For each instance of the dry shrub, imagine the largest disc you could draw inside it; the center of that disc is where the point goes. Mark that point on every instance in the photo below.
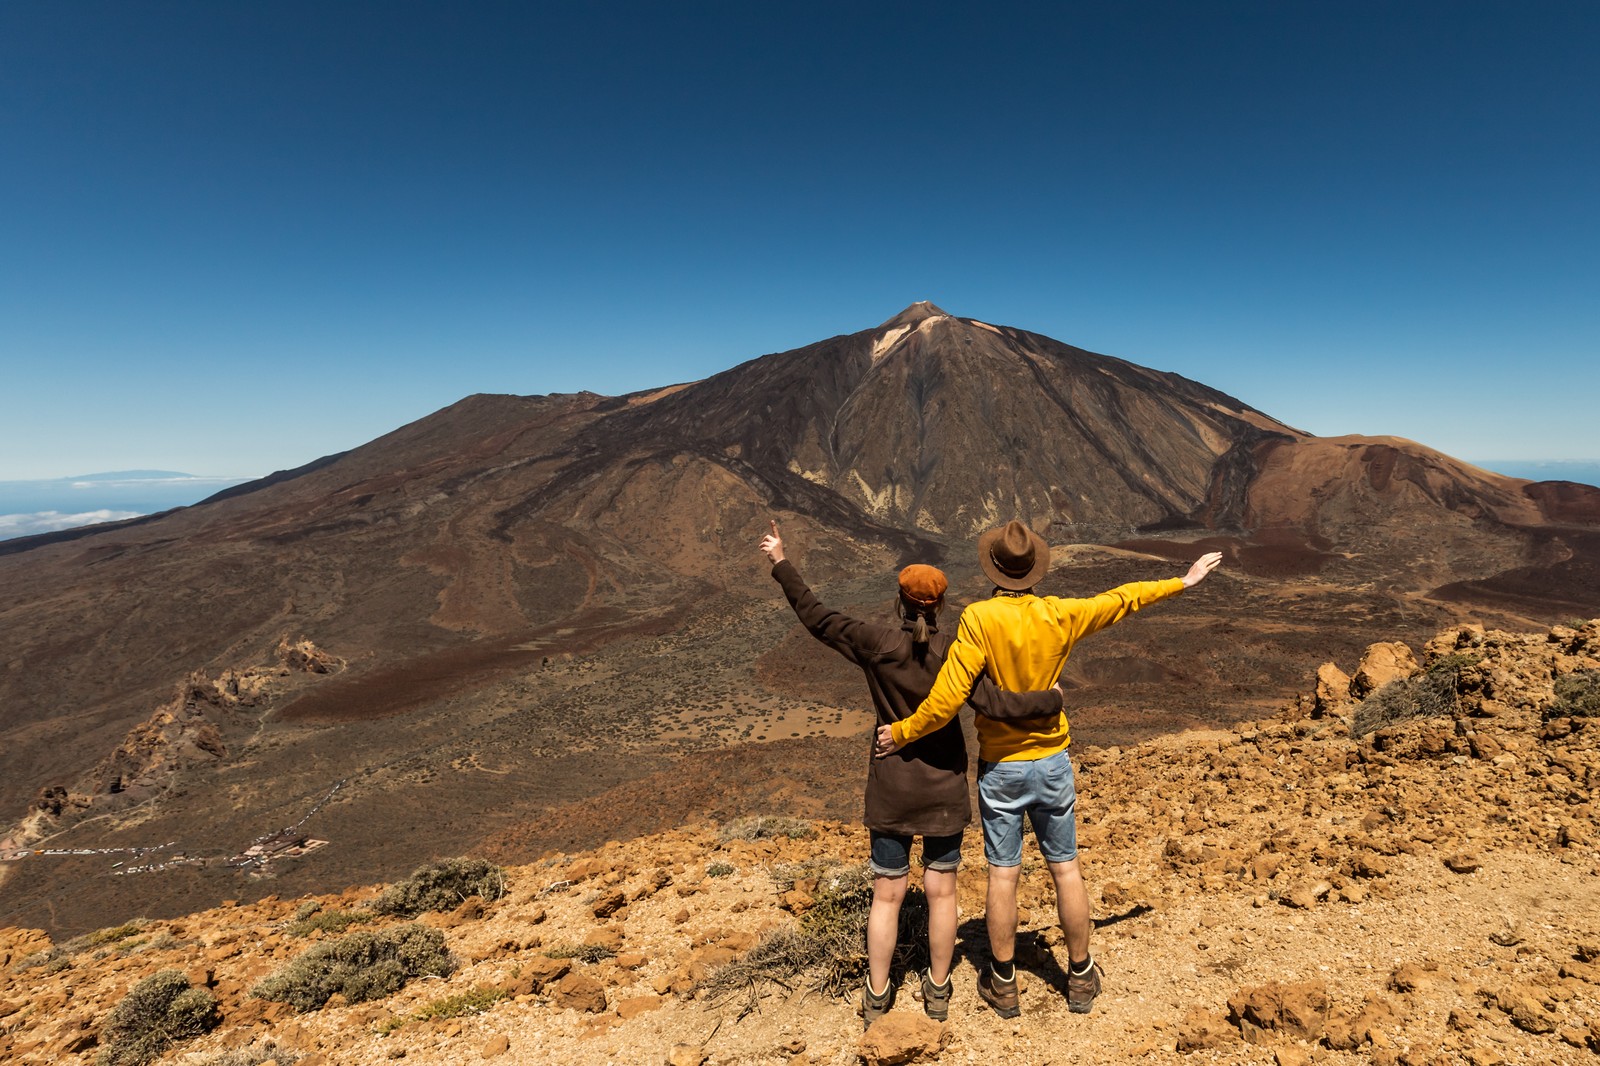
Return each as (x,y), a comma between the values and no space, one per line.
(827,948)
(113,935)
(786,874)
(590,953)
(1577,696)
(1434,694)
(442,886)
(362,966)
(158,1012)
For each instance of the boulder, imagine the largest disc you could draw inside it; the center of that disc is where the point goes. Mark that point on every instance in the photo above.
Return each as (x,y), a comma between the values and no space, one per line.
(1333,691)
(579,992)
(1383,662)
(609,904)
(901,1037)
(1298,1010)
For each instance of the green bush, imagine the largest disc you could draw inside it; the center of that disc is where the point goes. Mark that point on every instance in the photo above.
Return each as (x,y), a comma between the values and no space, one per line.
(362,966)
(719,869)
(159,1011)
(1577,696)
(442,886)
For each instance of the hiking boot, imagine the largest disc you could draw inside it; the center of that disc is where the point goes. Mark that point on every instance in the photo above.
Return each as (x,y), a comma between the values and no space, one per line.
(875,1006)
(1082,988)
(1001,995)
(936,998)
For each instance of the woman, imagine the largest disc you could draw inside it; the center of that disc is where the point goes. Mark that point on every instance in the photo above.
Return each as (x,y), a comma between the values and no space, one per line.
(921,790)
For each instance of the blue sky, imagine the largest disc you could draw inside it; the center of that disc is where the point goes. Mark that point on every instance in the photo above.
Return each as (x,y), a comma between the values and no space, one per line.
(237,237)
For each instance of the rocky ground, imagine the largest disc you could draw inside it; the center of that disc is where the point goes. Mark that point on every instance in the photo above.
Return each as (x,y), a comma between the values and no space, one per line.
(1347,881)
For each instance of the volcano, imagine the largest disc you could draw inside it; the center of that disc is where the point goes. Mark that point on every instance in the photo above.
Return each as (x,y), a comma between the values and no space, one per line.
(491,616)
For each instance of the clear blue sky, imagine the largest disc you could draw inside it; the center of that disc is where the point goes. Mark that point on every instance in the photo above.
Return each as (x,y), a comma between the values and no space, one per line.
(238,236)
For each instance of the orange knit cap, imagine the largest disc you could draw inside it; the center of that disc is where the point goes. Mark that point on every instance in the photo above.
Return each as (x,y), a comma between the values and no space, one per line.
(923,584)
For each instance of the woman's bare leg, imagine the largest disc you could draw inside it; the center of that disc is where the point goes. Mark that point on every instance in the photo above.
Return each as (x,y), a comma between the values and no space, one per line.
(883,927)
(940,885)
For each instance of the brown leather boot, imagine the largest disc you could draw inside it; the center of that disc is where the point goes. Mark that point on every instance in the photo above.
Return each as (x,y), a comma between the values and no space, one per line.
(1082,988)
(1001,995)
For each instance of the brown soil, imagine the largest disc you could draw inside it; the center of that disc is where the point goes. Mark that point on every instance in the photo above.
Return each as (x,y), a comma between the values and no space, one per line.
(1276,892)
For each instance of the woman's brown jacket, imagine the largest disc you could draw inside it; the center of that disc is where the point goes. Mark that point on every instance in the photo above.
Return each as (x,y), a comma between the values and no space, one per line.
(922,788)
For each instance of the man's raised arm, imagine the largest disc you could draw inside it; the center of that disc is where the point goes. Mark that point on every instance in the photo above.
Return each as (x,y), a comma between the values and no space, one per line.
(1088,616)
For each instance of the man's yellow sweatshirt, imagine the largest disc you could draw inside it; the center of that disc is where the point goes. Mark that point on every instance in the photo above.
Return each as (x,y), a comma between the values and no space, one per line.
(1023,642)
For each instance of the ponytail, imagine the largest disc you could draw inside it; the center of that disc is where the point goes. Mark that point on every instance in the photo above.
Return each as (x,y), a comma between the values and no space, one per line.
(922,617)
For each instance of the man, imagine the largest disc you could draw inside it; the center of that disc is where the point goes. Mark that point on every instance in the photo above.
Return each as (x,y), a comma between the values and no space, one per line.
(1022,641)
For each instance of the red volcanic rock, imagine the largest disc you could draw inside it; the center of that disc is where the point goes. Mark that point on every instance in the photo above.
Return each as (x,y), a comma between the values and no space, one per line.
(609,904)
(637,1005)
(1333,690)
(1383,663)
(579,992)
(1201,1030)
(1299,1010)
(900,1037)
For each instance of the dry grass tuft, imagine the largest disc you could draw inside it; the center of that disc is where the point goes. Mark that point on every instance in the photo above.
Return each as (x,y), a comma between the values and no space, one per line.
(765,827)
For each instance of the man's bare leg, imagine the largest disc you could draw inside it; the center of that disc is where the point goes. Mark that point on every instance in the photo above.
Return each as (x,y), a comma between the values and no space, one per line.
(883,927)
(1072,907)
(1000,912)
(940,885)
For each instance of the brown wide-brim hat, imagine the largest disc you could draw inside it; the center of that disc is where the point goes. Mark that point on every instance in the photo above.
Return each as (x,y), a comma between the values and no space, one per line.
(1014,556)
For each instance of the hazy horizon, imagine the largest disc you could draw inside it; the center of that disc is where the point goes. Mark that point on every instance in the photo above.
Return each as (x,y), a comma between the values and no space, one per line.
(48,505)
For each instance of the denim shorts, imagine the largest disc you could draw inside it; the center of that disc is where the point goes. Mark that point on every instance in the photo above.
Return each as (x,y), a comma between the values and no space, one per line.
(1043,790)
(891,853)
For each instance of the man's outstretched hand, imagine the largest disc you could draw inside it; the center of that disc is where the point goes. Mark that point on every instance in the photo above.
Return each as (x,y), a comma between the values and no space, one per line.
(885,744)
(1197,573)
(772,544)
